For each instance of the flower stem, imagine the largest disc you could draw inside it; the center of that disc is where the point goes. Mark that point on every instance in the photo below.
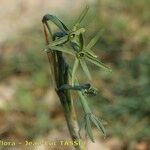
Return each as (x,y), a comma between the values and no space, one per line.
(61,71)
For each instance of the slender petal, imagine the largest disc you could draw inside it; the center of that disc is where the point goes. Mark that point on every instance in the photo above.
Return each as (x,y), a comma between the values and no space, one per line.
(90,52)
(85,69)
(94,40)
(98,124)
(88,127)
(97,63)
(60,41)
(81,17)
(59,48)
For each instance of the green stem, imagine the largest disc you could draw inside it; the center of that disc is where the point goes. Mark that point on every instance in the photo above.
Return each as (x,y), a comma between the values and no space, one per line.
(61,72)
(66,101)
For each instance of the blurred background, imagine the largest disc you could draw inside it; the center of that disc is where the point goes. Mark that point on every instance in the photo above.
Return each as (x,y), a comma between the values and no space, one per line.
(30,109)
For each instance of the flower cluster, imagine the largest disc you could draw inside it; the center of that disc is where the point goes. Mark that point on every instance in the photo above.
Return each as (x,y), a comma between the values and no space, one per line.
(82,53)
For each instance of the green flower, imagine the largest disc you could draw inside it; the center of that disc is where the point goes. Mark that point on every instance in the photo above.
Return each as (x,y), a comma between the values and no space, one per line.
(81,52)
(86,54)
(74,36)
(83,55)
(91,119)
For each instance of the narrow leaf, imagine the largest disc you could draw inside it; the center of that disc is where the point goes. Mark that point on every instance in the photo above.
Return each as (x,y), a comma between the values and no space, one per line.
(56,21)
(84,103)
(94,40)
(75,66)
(97,62)
(90,52)
(98,124)
(88,127)
(59,48)
(81,17)
(85,69)
(59,41)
